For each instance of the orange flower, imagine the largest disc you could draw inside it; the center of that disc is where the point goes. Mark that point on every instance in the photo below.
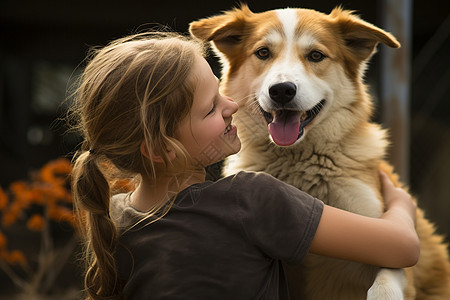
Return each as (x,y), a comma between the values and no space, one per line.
(38,195)
(61,166)
(22,193)
(57,192)
(11,216)
(3,199)
(55,172)
(8,219)
(36,223)
(3,241)
(16,257)
(48,187)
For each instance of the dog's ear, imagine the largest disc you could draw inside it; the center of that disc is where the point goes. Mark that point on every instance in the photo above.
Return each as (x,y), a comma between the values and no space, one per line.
(225,30)
(360,37)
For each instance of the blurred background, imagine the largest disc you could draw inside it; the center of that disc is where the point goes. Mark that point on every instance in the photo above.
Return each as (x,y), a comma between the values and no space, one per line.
(43,44)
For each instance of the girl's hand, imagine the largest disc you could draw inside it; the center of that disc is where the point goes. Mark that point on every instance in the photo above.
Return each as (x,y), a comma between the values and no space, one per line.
(397,197)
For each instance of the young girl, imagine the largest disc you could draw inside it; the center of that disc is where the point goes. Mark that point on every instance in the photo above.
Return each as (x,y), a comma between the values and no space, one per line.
(149,105)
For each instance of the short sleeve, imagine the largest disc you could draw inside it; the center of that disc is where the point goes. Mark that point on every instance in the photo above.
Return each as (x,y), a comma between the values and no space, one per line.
(278,218)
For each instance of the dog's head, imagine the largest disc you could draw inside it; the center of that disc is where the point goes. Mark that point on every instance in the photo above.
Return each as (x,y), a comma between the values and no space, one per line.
(295,67)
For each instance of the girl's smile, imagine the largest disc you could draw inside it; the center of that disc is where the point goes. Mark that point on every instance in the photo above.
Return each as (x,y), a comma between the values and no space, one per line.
(207,133)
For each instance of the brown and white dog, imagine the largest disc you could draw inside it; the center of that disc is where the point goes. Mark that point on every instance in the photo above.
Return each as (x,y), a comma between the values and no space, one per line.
(304,117)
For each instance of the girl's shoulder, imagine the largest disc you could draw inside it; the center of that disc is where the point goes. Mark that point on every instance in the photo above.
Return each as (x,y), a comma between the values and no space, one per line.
(243,185)
(121,211)
(249,179)
(118,204)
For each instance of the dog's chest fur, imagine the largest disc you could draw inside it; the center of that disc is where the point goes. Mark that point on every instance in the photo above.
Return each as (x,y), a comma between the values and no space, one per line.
(326,170)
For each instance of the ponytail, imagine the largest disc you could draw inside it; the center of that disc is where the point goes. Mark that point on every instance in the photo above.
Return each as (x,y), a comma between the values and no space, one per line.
(135,90)
(92,199)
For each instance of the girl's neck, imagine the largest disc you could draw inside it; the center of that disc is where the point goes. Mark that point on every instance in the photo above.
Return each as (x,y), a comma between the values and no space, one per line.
(149,195)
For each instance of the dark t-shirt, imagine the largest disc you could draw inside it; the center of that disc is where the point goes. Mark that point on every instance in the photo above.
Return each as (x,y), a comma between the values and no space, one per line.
(220,240)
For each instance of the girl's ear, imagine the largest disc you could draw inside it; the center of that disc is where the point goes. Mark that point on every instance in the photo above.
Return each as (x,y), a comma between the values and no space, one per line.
(155,157)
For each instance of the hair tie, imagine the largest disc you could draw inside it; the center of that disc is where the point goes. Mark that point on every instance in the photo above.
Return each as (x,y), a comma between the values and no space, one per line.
(91,151)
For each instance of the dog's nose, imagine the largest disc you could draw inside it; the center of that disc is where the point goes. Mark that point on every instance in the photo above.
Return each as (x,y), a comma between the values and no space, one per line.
(282,92)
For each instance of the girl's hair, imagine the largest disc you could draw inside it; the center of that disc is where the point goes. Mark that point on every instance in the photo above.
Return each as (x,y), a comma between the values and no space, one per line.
(135,90)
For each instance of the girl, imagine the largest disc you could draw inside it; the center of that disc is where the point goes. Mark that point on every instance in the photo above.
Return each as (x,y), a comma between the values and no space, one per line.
(149,105)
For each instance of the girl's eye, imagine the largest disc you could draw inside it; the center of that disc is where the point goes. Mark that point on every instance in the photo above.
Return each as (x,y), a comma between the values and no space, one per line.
(316,56)
(262,53)
(212,109)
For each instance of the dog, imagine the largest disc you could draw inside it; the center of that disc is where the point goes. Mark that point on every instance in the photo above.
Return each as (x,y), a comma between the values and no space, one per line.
(304,117)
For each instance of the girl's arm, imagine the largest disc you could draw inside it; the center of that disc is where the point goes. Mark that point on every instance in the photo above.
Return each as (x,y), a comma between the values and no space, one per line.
(390,241)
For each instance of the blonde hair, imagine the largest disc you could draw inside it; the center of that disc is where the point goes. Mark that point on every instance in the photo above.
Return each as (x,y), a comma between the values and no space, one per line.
(135,90)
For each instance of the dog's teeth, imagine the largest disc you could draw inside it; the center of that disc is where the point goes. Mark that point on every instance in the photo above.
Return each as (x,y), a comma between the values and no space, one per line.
(303,115)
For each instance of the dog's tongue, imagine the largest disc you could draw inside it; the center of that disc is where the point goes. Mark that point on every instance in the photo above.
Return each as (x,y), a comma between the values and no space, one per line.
(284,129)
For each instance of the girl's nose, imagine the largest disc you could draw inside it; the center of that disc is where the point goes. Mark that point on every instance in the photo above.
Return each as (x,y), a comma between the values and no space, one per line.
(231,106)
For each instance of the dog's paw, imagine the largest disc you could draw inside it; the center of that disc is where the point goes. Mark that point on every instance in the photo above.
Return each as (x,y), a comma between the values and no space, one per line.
(388,285)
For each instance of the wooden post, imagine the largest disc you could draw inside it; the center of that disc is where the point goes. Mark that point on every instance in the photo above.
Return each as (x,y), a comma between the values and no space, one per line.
(395,82)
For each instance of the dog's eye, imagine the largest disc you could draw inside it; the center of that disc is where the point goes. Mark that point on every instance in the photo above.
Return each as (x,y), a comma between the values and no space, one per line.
(262,53)
(316,56)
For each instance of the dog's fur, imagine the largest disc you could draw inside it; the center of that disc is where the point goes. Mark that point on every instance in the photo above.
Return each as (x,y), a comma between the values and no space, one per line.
(337,157)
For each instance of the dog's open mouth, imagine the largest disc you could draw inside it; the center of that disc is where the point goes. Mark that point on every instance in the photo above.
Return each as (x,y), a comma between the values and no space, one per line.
(286,126)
